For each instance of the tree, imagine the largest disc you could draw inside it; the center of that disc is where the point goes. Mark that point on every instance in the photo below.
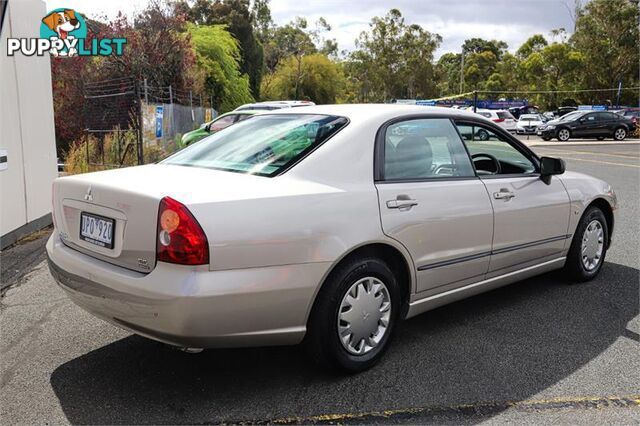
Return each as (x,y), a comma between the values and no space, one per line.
(608,37)
(535,43)
(394,60)
(314,78)
(218,57)
(239,20)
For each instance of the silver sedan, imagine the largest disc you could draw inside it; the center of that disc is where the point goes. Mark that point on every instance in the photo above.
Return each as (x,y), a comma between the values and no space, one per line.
(325,226)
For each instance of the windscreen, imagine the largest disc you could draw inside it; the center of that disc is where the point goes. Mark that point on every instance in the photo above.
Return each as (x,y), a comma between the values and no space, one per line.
(264,145)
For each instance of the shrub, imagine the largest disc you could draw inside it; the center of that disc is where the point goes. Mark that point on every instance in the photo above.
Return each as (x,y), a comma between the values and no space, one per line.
(111,152)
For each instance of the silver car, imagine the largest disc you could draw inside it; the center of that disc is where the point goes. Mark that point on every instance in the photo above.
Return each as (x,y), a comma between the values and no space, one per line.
(325,226)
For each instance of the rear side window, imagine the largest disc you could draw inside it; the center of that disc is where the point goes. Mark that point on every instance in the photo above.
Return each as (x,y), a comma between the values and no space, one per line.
(264,145)
(423,149)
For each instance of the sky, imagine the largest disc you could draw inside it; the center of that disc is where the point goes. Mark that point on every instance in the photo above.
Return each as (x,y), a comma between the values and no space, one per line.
(512,21)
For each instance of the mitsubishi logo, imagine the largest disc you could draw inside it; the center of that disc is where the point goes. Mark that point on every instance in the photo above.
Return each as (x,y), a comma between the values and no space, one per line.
(88,196)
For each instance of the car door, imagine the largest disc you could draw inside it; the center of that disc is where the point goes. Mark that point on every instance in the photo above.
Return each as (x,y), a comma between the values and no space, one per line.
(531,216)
(586,126)
(431,201)
(606,123)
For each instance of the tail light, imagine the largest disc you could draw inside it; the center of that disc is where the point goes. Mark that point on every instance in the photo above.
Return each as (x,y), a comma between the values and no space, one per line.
(180,238)
(498,120)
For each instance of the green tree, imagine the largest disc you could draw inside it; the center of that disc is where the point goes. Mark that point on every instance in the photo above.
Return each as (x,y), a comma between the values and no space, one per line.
(314,78)
(239,20)
(218,57)
(607,35)
(535,43)
(394,60)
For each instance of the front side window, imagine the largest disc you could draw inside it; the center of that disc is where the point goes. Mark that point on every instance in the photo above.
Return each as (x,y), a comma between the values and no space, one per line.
(424,148)
(491,153)
(264,145)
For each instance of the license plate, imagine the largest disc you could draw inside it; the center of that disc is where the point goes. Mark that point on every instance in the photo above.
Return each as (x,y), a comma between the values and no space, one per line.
(539,133)
(97,229)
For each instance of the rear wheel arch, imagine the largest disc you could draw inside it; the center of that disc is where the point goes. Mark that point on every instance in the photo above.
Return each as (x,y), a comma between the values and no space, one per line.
(392,256)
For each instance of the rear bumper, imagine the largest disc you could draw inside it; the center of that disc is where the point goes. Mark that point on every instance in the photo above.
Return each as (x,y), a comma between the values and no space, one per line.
(192,307)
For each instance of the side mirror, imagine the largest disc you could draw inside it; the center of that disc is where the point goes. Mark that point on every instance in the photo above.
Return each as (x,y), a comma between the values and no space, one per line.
(551,166)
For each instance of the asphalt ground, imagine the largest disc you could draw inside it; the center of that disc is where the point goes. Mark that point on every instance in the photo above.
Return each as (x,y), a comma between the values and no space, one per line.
(539,351)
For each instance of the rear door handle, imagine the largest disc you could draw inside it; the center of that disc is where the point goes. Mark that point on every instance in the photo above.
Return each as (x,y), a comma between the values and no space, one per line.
(401,203)
(504,194)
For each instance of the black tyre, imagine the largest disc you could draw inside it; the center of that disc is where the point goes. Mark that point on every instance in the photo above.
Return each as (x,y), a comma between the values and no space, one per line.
(619,134)
(354,316)
(588,247)
(563,135)
(600,138)
(483,135)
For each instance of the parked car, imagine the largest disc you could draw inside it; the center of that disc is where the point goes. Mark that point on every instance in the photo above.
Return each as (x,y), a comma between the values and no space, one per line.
(527,109)
(587,124)
(221,122)
(276,230)
(528,124)
(632,113)
(562,111)
(273,105)
(502,117)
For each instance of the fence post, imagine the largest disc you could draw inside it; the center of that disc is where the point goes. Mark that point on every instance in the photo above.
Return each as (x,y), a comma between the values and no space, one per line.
(139,135)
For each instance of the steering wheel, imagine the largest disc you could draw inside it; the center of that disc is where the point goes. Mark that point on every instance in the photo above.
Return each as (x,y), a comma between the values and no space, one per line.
(490,157)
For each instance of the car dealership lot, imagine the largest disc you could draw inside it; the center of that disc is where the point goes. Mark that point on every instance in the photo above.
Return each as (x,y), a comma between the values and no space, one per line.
(536,351)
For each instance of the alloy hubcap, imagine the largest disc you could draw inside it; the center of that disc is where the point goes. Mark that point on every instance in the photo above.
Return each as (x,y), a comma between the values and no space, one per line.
(592,245)
(620,134)
(564,134)
(364,314)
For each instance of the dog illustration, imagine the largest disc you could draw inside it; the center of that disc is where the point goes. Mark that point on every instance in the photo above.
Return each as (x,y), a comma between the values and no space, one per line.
(62,23)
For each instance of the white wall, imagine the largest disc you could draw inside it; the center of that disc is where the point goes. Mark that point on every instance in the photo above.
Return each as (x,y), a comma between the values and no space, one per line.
(26,123)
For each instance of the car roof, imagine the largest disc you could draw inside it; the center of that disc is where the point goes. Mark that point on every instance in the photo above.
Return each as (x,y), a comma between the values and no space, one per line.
(362,112)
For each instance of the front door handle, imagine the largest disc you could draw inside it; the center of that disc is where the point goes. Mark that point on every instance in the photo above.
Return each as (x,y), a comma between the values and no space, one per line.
(504,194)
(402,203)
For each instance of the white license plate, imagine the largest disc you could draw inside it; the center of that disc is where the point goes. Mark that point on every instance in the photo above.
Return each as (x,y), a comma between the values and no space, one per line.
(96,229)
(539,133)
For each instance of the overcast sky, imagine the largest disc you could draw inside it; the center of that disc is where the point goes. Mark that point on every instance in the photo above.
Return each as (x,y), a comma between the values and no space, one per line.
(455,20)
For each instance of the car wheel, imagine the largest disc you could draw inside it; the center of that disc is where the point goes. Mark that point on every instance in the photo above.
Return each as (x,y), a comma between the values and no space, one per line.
(588,247)
(564,135)
(620,134)
(483,135)
(354,315)
(546,139)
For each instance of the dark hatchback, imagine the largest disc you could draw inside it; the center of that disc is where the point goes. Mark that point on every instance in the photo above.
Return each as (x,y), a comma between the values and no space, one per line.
(587,124)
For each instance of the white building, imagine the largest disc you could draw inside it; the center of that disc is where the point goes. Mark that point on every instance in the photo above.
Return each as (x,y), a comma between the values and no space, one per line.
(27,133)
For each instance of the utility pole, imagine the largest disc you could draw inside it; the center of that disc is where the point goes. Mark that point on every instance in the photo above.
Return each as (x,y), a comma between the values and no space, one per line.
(475,101)
(462,73)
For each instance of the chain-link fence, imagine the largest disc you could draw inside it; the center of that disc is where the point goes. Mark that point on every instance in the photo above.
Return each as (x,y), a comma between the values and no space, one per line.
(124,117)
(168,114)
